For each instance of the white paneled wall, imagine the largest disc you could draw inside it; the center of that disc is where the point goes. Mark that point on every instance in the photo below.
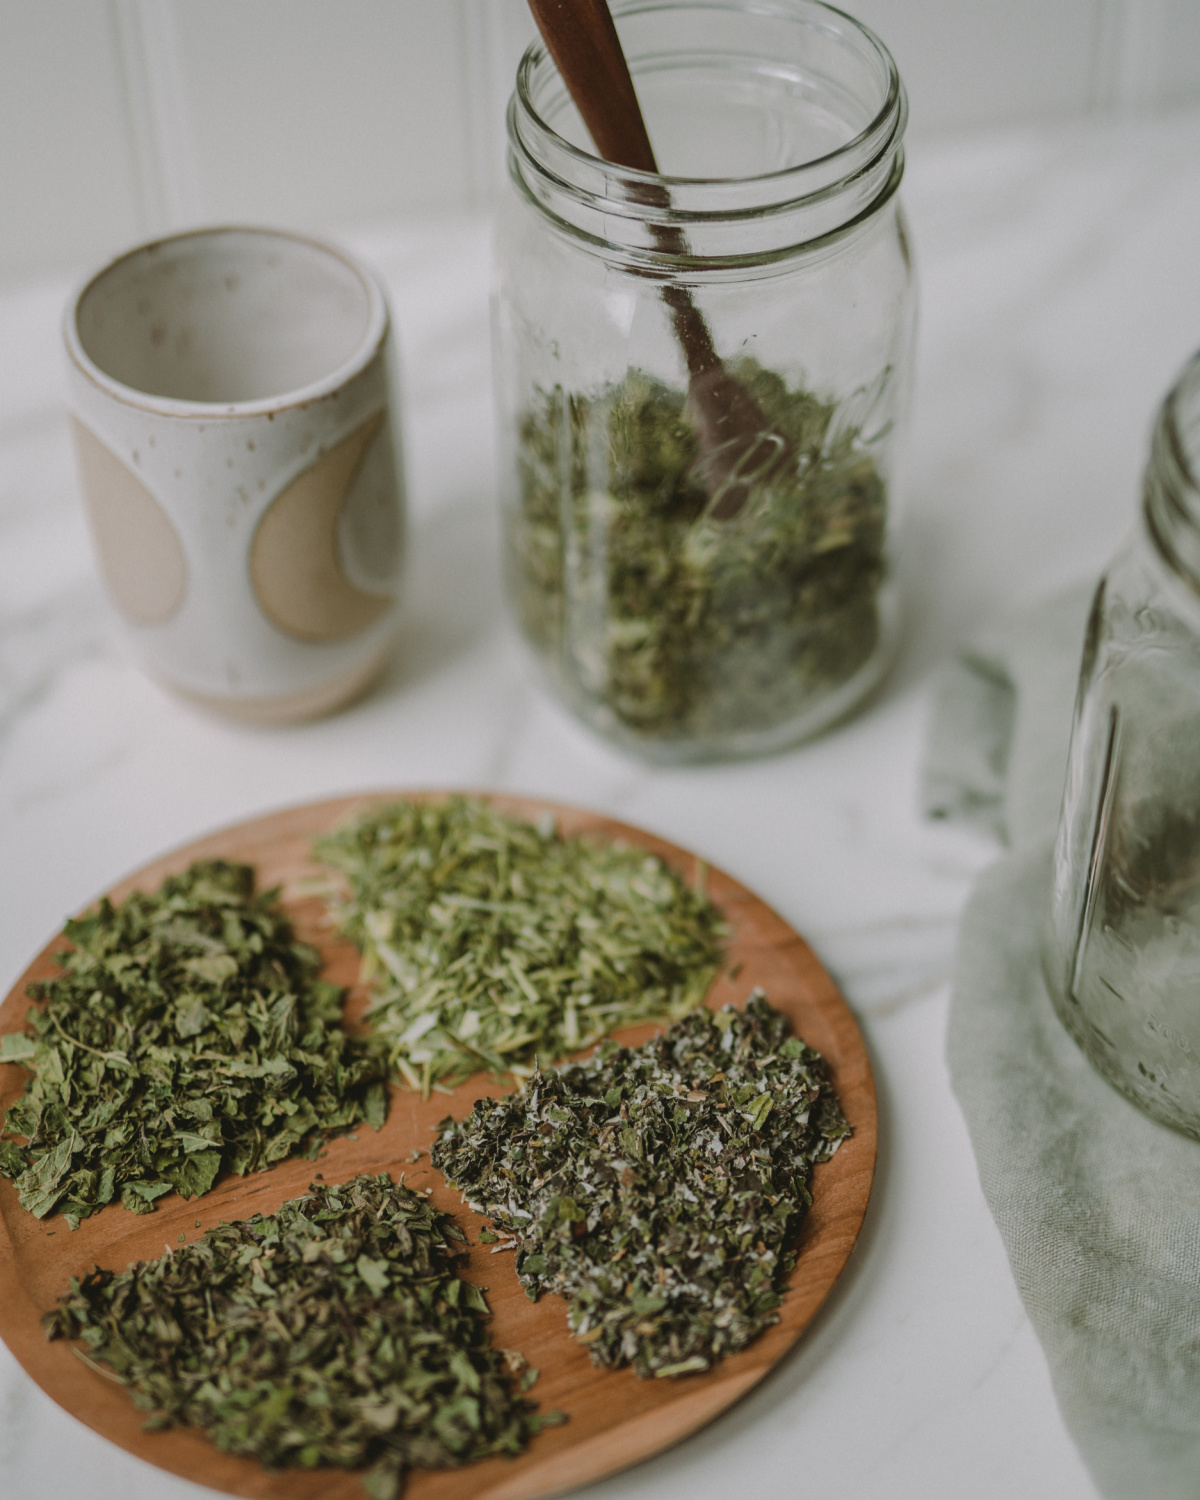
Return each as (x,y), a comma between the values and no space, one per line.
(68,180)
(123,118)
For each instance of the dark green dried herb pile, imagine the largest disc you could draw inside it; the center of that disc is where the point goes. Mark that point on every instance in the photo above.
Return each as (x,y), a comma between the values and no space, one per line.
(187,1036)
(658,1189)
(661,619)
(491,942)
(336,1332)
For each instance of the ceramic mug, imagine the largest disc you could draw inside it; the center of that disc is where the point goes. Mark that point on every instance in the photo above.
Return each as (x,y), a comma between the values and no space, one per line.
(231,394)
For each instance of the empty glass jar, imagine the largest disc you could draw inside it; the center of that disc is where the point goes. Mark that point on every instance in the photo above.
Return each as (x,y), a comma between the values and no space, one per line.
(1123,948)
(697,585)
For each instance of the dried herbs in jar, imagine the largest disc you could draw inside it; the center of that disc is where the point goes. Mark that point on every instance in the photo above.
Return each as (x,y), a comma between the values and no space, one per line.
(660,333)
(663,620)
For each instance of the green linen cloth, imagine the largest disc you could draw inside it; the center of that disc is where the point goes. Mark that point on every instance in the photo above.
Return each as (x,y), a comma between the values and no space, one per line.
(1098,1206)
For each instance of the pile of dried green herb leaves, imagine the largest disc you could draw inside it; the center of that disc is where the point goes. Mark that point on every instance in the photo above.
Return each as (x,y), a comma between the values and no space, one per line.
(492,943)
(188,1035)
(335,1332)
(661,621)
(658,1189)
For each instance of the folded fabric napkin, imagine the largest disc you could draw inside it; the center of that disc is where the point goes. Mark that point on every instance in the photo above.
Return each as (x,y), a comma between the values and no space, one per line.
(1098,1206)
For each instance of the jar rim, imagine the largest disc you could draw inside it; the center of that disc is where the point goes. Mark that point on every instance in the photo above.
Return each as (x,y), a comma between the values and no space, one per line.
(691,197)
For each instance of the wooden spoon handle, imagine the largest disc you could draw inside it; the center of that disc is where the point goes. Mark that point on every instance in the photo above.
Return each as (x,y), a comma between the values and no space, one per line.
(736,442)
(583,41)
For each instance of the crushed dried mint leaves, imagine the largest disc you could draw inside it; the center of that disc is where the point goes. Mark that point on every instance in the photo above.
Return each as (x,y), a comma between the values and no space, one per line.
(681,625)
(335,1332)
(491,942)
(187,1035)
(659,1189)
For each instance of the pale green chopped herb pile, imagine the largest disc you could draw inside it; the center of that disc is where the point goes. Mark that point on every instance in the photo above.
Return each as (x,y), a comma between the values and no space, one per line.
(188,1035)
(664,623)
(658,1189)
(335,1332)
(491,943)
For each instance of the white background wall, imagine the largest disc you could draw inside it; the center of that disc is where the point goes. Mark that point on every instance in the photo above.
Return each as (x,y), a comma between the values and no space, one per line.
(123,118)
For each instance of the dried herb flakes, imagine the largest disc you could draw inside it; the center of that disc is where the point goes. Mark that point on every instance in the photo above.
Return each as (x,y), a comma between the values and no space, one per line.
(658,619)
(492,942)
(187,1036)
(335,1332)
(658,1189)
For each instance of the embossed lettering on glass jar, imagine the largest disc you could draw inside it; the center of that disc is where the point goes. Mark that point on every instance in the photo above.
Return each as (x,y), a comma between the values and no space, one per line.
(1122,955)
(679,626)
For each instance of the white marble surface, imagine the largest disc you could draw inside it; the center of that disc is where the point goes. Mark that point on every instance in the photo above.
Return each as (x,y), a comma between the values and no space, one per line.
(1060,294)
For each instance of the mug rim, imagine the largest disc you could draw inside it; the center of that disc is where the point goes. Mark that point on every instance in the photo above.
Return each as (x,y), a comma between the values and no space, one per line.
(376,331)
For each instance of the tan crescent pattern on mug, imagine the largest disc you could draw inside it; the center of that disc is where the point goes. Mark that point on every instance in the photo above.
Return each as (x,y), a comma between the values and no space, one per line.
(140,554)
(295,563)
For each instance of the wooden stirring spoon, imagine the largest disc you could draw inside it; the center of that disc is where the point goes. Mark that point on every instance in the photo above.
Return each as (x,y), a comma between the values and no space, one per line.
(738,448)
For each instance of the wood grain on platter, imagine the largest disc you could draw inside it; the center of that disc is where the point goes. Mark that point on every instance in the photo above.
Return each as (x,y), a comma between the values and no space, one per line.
(616,1419)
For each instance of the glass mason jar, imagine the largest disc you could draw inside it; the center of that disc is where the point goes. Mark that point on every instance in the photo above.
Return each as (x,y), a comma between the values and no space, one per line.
(1122,954)
(698,587)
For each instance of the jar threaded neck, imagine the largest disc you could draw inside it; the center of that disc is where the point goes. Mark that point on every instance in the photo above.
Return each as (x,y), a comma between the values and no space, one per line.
(823,153)
(1171,497)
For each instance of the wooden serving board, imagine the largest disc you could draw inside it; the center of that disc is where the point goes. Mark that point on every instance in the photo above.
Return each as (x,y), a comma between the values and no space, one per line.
(616,1419)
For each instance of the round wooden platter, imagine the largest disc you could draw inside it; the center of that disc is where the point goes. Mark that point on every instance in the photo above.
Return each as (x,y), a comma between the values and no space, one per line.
(615,1419)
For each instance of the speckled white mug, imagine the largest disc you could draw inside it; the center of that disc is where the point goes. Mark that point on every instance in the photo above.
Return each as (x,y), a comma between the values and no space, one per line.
(231,399)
